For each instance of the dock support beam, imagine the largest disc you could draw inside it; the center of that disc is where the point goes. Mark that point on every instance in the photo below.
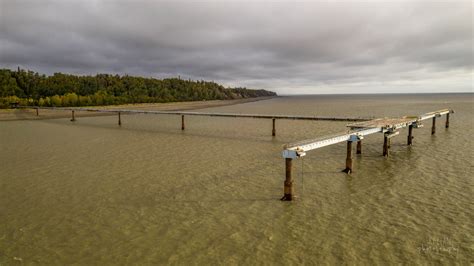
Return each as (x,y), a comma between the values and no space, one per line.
(37,111)
(288,185)
(348,169)
(182,122)
(410,135)
(385,145)
(433,127)
(273,129)
(359,147)
(447,120)
(73,117)
(119,119)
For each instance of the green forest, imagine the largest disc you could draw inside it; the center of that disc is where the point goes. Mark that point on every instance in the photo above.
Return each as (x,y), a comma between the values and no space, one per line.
(31,88)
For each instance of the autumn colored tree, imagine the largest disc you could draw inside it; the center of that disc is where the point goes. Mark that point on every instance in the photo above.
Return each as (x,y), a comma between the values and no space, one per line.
(103,89)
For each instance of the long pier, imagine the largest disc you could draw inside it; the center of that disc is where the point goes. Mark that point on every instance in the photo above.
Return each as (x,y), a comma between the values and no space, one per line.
(360,128)
(184,113)
(357,131)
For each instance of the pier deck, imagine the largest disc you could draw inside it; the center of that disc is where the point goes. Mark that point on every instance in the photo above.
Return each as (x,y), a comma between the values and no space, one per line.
(384,122)
(388,126)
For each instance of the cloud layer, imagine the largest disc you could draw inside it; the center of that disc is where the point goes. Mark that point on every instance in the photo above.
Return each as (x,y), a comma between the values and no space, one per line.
(303,47)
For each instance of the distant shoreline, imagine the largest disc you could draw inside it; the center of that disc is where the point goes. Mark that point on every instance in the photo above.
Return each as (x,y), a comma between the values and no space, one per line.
(377,94)
(30,114)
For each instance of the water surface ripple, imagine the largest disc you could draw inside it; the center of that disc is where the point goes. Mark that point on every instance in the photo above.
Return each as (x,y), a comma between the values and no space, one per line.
(90,192)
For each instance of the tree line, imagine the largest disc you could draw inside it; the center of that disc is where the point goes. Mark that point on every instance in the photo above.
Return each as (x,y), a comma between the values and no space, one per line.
(31,88)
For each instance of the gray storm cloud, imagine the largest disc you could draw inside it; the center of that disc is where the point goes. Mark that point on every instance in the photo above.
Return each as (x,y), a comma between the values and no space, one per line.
(302,47)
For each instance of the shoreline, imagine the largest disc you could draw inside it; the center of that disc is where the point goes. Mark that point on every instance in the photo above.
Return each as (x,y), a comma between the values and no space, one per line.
(30,114)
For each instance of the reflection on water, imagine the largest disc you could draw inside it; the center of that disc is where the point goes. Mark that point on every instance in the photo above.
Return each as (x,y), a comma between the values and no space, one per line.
(90,192)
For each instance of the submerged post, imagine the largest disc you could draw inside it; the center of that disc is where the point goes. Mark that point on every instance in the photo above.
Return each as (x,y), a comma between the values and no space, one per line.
(288,185)
(348,158)
(447,120)
(37,111)
(410,135)
(433,127)
(385,145)
(359,147)
(273,129)
(73,117)
(182,122)
(119,119)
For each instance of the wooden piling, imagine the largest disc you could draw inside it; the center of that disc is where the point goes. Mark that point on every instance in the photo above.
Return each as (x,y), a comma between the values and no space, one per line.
(385,145)
(273,129)
(359,147)
(182,122)
(348,158)
(73,117)
(433,127)
(447,120)
(37,111)
(288,185)
(119,119)
(410,135)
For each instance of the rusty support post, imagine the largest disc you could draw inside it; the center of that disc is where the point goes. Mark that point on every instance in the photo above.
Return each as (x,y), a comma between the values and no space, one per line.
(410,135)
(348,168)
(433,127)
(182,122)
(359,147)
(73,117)
(273,129)
(37,111)
(447,120)
(288,185)
(385,146)
(119,119)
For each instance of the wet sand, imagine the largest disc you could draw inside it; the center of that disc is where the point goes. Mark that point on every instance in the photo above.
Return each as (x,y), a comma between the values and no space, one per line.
(30,114)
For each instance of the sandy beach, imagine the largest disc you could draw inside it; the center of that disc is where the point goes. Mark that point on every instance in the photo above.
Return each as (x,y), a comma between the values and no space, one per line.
(30,114)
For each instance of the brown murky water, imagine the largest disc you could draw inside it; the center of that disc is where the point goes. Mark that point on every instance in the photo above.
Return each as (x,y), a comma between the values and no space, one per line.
(90,192)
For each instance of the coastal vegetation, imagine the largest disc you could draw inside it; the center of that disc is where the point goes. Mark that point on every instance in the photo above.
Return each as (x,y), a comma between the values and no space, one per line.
(31,88)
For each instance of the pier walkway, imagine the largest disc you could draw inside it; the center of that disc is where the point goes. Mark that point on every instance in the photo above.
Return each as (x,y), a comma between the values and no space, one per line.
(183,114)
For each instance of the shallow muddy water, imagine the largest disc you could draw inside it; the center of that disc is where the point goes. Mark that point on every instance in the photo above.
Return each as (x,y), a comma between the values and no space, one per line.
(91,192)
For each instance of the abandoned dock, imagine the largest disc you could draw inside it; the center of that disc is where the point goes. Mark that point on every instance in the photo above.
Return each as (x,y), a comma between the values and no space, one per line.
(357,130)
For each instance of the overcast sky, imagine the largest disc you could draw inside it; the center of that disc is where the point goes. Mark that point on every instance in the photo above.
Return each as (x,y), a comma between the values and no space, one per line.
(288,47)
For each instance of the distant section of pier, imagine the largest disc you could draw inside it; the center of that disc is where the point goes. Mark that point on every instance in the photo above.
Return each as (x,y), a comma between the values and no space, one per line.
(262,116)
(119,112)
